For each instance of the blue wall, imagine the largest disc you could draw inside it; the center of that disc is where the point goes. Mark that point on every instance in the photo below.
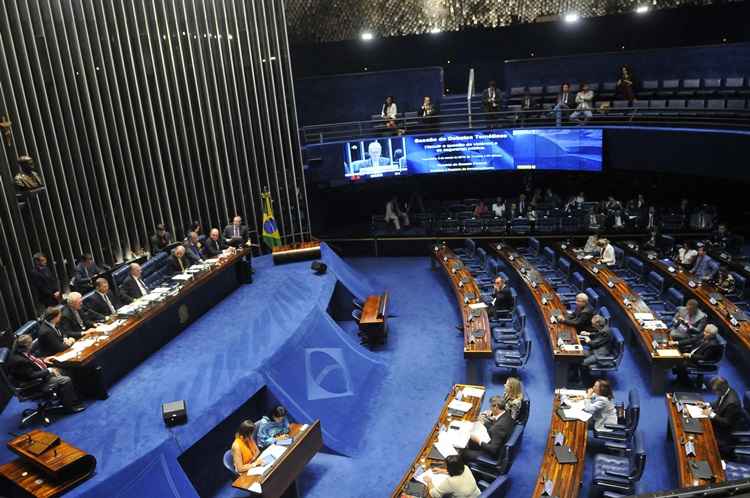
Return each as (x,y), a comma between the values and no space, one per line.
(682,62)
(357,96)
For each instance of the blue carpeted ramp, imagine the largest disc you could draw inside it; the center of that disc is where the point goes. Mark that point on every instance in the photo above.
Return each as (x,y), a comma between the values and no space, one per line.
(319,374)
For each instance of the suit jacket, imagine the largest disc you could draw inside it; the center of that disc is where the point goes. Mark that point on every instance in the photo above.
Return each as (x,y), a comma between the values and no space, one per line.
(177,265)
(229,232)
(503,299)
(69,324)
(129,290)
(212,248)
(83,274)
(695,324)
(702,268)
(706,350)
(97,306)
(499,432)
(580,319)
(160,242)
(565,99)
(602,342)
(193,253)
(728,414)
(50,340)
(45,285)
(23,369)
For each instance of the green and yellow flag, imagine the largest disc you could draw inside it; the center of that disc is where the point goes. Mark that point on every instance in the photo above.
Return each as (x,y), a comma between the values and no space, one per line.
(270,231)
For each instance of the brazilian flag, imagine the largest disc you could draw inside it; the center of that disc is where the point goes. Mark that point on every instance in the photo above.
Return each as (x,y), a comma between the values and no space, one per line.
(270,231)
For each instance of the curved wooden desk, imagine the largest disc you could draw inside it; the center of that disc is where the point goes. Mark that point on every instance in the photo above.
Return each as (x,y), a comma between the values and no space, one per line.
(566,478)
(475,346)
(661,358)
(562,339)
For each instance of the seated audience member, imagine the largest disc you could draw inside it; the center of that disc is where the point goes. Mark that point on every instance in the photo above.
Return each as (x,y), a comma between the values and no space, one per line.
(523,205)
(702,266)
(133,287)
(214,246)
(25,367)
(193,248)
(178,262)
(584,103)
(427,111)
(725,414)
(686,255)
(498,208)
(44,282)
(389,111)
(592,244)
(599,402)
(51,339)
(86,269)
(244,450)
(273,427)
(102,303)
(724,280)
(236,234)
(626,84)
(564,102)
(74,321)
(393,214)
(499,428)
(481,209)
(698,348)
(502,298)
(599,341)
(689,320)
(459,484)
(513,396)
(160,239)
(581,316)
(607,255)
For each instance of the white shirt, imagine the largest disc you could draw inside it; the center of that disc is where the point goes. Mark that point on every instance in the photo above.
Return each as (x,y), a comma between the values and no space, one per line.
(498,209)
(463,486)
(389,111)
(687,257)
(608,255)
(583,99)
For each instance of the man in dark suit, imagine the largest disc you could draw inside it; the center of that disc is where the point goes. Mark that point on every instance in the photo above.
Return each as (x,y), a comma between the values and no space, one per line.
(51,339)
(236,234)
(600,341)
(491,98)
(160,239)
(25,367)
(214,246)
(565,102)
(502,298)
(177,262)
(581,316)
(44,282)
(103,302)
(523,205)
(698,348)
(85,270)
(133,287)
(193,248)
(74,321)
(499,427)
(703,268)
(725,414)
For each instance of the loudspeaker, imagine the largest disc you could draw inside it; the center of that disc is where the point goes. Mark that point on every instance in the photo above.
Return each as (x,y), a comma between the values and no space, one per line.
(174,413)
(319,267)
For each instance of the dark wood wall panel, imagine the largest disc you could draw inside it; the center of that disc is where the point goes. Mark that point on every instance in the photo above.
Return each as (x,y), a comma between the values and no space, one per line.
(138,112)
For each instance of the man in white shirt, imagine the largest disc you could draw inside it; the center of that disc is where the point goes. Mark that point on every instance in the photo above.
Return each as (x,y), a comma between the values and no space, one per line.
(608,252)
(584,101)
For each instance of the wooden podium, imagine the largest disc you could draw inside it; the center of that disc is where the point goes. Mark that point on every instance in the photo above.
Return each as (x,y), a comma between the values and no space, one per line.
(47,466)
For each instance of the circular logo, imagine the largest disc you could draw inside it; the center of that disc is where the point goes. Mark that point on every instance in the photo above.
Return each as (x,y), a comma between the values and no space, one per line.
(183,313)
(269,226)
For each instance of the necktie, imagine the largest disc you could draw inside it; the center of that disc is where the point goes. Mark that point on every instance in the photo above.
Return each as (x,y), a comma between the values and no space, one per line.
(78,319)
(109,303)
(86,269)
(236,232)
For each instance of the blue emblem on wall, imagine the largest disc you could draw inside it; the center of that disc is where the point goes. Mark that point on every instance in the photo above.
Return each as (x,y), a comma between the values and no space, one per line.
(326,373)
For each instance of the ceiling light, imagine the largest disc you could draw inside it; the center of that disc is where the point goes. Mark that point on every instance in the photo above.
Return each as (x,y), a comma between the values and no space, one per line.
(367,36)
(571,17)
(641,9)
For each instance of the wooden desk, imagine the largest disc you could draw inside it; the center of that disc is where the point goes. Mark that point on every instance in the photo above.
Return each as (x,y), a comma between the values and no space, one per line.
(373,322)
(721,313)
(567,478)
(284,471)
(661,358)
(548,304)
(299,251)
(706,448)
(51,473)
(474,347)
(157,323)
(443,420)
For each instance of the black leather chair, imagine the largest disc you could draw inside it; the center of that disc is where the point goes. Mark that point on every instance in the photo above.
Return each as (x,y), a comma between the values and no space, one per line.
(617,473)
(699,369)
(47,401)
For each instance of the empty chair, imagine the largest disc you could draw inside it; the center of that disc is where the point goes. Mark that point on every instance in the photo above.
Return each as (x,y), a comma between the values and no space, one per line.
(564,266)
(635,269)
(736,104)
(656,282)
(513,359)
(715,104)
(696,104)
(515,327)
(494,488)
(736,471)
(740,286)
(358,303)
(578,281)
(357,314)
(648,88)
(533,247)
(672,300)
(676,104)
(593,297)
(472,226)
(668,88)
(620,473)
(710,86)
(689,87)
(732,85)
(547,225)
(619,256)
(450,227)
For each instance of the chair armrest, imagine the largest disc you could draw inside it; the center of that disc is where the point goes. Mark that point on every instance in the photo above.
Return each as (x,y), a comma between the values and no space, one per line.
(619,474)
(616,445)
(615,427)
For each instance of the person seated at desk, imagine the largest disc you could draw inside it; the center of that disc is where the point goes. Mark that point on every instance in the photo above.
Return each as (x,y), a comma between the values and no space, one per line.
(74,321)
(244,450)
(592,244)
(502,299)
(513,396)
(698,348)
(581,316)
(725,414)
(689,320)
(133,287)
(273,427)
(177,262)
(85,270)
(702,268)
(607,255)
(599,402)
(51,339)
(103,303)
(193,248)
(25,367)
(393,213)
(236,234)
(214,246)
(499,426)
(44,282)
(459,484)
(599,341)
(160,239)
(724,280)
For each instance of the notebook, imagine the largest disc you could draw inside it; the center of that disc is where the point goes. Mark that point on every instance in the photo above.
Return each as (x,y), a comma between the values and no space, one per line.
(565,455)
(701,470)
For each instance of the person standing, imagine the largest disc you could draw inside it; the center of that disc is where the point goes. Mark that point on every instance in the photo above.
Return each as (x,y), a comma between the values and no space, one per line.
(44,282)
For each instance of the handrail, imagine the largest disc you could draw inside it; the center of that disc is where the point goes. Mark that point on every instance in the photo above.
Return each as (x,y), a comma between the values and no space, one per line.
(470,93)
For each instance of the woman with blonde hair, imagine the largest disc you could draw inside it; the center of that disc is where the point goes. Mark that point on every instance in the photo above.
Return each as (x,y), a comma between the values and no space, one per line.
(513,396)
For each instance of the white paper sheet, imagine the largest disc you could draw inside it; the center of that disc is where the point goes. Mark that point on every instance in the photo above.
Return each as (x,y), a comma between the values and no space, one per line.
(479,431)
(643,316)
(473,392)
(695,411)
(437,477)
(459,406)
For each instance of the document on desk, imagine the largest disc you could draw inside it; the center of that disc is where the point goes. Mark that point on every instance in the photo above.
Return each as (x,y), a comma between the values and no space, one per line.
(268,457)
(577,413)
(571,347)
(182,277)
(571,392)
(106,328)
(695,411)
(669,353)
(458,433)
(478,306)
(643,316)
(479,432)
(437,477)
(459,406)
(654,325)
(444,445)
(473,392)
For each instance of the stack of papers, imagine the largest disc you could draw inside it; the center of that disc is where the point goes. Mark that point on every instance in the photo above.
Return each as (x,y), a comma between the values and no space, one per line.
(577,413)
(644,316)
(459,406)
(107,328)
(76,348)
(444,445)
(669,353)
(479,431)
(477,306)
(570,392)
(571,347)
(695,411)
(472,392)
(437,477)
(458,433)
(654,325)
(182,277)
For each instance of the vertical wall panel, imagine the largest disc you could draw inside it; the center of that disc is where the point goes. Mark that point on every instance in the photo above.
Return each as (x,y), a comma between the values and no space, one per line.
(140,112)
